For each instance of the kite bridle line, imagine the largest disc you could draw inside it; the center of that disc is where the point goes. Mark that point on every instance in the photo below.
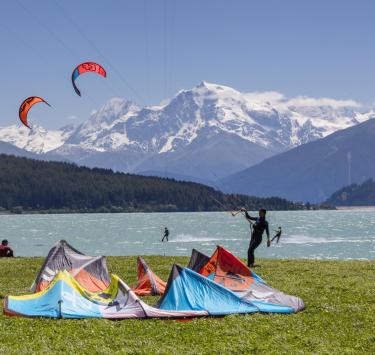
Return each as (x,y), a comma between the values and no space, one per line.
(233,213)
(219,203)
(235,209)
(234,206)
(97,50)
(68,48)
(233,195)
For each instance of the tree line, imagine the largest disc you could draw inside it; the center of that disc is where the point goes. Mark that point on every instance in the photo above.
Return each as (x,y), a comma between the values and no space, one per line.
(34,185)
(355,195)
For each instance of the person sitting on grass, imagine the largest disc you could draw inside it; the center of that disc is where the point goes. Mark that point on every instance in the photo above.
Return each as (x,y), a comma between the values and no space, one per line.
(259,226)
(5,250)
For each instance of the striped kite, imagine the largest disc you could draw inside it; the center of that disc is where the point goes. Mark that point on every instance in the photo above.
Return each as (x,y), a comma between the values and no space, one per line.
(84,68)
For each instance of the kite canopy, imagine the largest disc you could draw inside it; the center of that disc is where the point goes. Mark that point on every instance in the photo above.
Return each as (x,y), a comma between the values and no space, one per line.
(66,298)
(148,283)
(91,272)
(73,285)
(187,290)
(86,68)
(197,260)
(188,295)
(227,270)
(26,105)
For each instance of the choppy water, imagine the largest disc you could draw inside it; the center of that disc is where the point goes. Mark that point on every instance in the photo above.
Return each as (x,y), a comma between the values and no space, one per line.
(306,234)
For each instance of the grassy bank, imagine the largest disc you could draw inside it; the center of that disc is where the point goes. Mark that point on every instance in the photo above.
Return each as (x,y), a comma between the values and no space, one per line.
(339,318)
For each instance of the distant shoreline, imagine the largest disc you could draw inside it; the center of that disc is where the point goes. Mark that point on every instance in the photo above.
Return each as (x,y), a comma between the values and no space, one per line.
(348,208)
(31,212)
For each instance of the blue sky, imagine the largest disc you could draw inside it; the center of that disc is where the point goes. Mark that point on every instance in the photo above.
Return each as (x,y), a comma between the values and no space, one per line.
(153,48)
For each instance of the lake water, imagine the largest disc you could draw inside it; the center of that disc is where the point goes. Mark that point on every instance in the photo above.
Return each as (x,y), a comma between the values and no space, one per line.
(306,234)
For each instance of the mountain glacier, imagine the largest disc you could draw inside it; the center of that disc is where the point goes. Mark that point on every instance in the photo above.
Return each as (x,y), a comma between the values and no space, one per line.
(201,134)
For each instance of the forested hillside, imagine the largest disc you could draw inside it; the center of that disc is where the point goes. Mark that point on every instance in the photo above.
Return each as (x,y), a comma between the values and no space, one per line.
(33,185)
(355,195)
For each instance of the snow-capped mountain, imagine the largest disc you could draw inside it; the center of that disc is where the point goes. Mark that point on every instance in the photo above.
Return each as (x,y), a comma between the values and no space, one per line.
(102,130)
(206,132)
(266,119)
(37,140)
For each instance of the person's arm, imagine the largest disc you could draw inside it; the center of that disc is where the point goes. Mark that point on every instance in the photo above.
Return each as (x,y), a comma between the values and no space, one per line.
(247,216)
(250,218)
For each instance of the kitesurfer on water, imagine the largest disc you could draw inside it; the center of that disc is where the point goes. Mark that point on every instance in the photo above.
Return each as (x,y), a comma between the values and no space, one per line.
(259,226)
(166,234)
(277,235)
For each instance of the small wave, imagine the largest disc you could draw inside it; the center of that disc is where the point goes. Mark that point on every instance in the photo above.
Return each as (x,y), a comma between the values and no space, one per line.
(362,259)
(130,242)
(304,239)
(189,238)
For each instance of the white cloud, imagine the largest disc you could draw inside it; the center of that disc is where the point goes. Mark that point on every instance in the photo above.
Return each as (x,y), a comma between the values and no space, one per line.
(303,101)
(280,101)
(266,96)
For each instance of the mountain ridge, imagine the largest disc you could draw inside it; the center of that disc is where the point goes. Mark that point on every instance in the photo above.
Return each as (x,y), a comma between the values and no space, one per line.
(188,128)
(313,171)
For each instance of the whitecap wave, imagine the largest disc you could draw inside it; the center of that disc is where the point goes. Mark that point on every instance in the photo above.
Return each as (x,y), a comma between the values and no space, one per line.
(189,238)
(305,239)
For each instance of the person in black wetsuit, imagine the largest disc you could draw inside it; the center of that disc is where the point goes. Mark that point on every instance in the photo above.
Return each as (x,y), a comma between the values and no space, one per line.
(259,226)
(166,234)
(277,235)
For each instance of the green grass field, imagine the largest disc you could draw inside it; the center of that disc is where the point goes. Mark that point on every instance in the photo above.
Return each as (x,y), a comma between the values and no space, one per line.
(339,316)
